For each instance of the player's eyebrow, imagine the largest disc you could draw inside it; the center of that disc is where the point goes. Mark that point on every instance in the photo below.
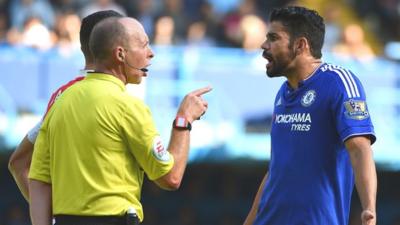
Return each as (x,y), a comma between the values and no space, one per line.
(272,35)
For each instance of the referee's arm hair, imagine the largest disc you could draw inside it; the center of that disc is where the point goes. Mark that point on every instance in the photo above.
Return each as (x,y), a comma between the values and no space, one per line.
(192,107)
(359,148)
(19,164)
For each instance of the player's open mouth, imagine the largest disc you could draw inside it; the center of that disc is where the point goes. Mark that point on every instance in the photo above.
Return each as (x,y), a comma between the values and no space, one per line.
(268,57)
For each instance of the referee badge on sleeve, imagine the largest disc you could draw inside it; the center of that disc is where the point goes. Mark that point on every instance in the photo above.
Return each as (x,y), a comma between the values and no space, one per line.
(159,150)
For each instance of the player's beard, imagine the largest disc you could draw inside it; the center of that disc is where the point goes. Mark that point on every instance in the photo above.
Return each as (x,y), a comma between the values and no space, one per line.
(279,64)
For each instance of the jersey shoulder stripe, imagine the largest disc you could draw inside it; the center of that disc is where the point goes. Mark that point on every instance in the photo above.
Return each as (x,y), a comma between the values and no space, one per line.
(347,79)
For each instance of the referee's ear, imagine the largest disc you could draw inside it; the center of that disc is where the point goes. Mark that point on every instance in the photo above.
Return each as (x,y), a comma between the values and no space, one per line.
(118,54)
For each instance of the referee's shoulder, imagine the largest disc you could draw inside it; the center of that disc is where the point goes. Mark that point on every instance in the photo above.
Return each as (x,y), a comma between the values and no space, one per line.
(130,100)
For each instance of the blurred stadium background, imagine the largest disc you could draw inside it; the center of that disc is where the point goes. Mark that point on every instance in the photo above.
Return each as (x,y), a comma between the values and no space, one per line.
(196,43)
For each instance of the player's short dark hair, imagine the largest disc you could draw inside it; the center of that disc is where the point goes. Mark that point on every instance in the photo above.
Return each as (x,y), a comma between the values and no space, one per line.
(106,35)
(87,26)
(302,22)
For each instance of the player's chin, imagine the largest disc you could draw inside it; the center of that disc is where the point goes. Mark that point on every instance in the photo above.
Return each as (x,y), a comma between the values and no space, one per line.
(271,73)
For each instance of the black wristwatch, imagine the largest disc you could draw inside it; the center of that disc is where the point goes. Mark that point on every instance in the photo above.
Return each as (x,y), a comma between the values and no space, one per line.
(182,123)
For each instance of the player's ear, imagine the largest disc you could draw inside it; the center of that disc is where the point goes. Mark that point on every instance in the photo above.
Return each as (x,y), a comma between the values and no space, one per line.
(301,45)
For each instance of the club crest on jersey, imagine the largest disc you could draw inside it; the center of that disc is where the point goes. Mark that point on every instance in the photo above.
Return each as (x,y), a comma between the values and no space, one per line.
(159,151)
(308,98)
(356,109)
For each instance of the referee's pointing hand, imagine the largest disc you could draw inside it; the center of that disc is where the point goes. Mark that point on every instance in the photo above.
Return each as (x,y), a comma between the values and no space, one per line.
(193,105)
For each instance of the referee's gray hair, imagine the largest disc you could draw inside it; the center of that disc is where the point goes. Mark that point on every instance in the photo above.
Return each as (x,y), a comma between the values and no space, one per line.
(106,35)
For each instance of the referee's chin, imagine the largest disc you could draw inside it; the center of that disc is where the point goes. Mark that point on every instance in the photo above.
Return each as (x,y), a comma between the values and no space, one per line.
(134,80)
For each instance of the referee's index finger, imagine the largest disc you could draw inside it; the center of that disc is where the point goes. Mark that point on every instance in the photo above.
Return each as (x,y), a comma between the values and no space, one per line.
(202,91)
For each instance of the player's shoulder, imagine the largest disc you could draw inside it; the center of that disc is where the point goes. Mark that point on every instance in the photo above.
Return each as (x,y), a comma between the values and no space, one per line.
(336,72)
(342,78)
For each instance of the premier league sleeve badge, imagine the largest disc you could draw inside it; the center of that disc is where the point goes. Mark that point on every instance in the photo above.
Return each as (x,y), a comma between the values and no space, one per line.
(356,109)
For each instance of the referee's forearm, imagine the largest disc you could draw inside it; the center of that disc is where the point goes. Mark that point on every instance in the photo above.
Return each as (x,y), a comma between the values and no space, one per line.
(179,149)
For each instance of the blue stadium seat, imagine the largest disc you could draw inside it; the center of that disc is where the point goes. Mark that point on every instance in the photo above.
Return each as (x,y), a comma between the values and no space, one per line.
(60,69)
(21,69)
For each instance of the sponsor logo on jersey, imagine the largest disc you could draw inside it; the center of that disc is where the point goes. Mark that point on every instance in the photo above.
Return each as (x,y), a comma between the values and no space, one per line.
(297,121)
(293,118)
(356,109)
(159,151)
(308,98)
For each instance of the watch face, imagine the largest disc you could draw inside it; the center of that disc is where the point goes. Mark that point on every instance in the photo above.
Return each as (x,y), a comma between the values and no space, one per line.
(180,122)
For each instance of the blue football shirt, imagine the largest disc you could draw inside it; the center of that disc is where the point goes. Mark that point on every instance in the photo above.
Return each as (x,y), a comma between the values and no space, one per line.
(310,179)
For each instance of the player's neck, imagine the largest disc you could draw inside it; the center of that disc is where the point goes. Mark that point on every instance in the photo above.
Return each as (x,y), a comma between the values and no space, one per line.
(303,70)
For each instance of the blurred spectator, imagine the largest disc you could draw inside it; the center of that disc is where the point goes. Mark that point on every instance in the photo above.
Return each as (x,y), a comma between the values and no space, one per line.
(173,9)
(331,14)
(63,6)
(254,30)
(35,34)
(211,20)
(13,37)
(382,16)
(3,27)
(145,14)
(67,31)
(353,44)
(164,30)
(233,35)
(22,10)
(197,35)
(99,5)
(192,8)
(389,11)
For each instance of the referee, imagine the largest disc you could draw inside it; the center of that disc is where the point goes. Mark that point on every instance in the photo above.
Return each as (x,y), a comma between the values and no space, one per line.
(20,159)
(97,141)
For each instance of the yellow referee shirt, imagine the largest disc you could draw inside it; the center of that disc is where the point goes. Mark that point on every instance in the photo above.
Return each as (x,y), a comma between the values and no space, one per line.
(94,146)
